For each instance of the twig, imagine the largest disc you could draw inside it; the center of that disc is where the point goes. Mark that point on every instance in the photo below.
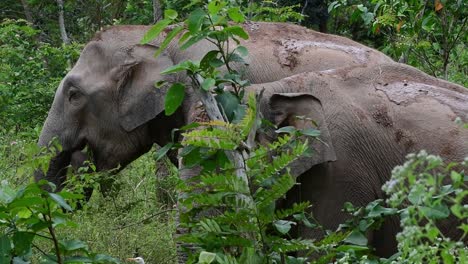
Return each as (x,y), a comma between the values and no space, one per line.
(146,219)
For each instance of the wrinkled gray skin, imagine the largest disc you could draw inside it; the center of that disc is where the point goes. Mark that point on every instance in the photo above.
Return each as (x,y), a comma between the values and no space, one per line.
(108,101)
(371,111)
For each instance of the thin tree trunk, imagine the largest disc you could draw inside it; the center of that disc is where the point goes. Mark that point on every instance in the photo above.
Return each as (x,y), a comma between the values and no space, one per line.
(63,32)
(157,12)
(27,12)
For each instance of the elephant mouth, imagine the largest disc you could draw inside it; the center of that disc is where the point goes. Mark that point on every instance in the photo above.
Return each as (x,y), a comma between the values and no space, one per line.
(81,156)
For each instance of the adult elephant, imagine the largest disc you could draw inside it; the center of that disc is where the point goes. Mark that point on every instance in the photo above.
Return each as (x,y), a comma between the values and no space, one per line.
(370,119)
(371,111)
(108,100)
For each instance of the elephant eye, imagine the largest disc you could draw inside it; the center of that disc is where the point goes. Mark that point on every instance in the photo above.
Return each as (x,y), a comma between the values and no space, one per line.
(73,95)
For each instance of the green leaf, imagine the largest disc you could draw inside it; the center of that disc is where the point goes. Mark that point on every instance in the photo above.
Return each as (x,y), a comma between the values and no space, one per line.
(163,151)
(5,249)
(205,63)
(170,14)
(155,31)
(73,245)
(183,66)
(238,31)
(456,177)
(249,255)
(235,14)
(174,98)
(215,6)
(208,83)
(168,40)
(303,218)
(193,39)
(356,238)
(439,211)
(22,242)
(24,213)
(447,256)
(287,129)
(283,226)
(229,102)
(242,51)
(206,257)
(311,132)
(57,198)
(345,248)
(234,57)
(7,194)
(160,84)
(195,20)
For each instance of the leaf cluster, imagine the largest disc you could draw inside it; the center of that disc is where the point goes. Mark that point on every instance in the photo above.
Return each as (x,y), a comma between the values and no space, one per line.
(30,213)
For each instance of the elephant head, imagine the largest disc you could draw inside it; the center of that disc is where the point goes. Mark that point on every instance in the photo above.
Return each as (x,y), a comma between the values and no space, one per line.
(107,102)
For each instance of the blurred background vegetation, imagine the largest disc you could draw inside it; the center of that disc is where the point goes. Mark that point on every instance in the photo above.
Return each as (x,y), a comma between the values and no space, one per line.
(40,40)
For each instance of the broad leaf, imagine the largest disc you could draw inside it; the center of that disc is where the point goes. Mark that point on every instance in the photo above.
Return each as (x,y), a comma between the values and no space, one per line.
(5,249)
(215,6)
(207,84)
(229,102)
(174,98)
(155,31)
(205,63)
(57,198)
(238,31)
(163,151)
(286,129)
(73,245)
(168,40)
(195,20)
(170,14)
(439,211)
(206,257)
(183,66)
(311,132)
(242,50)
(283,226)
(22,242)
(235,14)
(356,238)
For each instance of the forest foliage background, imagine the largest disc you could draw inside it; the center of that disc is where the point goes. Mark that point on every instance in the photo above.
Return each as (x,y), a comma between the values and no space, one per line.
(41,39)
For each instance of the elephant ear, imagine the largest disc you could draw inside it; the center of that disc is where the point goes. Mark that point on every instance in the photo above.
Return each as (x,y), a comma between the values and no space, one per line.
(299,110)
(139,100)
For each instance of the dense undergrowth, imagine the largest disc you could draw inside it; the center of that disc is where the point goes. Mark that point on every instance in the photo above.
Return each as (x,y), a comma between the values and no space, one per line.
(137,216)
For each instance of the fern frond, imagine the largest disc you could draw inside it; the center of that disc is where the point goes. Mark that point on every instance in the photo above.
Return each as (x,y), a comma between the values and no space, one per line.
(225,139)
(293,245)
(279,163)
(225,182)
(264,152)
(264,197)
(250,116)
(217,123)
(296,208)
(209,225)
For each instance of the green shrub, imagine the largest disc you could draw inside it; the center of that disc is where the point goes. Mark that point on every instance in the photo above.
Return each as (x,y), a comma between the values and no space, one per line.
(30,72)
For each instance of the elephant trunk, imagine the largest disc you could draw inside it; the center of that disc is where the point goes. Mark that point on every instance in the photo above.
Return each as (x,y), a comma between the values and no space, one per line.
(53,128)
